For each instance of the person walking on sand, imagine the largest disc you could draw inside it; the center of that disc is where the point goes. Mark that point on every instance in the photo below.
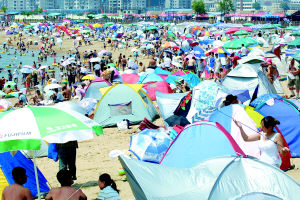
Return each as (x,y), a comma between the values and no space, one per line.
(65,191)
(16,191)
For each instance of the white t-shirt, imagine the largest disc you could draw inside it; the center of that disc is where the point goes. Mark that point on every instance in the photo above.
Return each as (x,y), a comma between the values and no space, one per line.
(244,51)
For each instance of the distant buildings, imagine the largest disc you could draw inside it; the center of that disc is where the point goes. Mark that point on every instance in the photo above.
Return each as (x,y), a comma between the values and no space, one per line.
(177,4)
(139,6)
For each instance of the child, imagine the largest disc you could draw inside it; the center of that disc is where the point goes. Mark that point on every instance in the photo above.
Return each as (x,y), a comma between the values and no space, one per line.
(108,188)
(65,191)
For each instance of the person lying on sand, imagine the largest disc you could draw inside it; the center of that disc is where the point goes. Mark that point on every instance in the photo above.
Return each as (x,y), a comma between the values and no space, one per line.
(16,191)
(65,191)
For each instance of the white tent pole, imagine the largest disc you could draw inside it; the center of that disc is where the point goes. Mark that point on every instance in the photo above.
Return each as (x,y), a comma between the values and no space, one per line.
(36,177)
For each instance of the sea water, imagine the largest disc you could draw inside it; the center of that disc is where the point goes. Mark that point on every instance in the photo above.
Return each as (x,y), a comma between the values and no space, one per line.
(10,61)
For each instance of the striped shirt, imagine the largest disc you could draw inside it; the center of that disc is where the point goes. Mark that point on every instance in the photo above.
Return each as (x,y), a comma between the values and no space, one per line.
(108,193)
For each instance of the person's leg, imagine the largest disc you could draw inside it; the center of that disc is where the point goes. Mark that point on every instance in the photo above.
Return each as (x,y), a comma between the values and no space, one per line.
(62,158)
(72,162)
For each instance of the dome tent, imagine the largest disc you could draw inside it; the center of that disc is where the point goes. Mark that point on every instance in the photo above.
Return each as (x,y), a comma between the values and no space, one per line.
(234,178)
(124,101)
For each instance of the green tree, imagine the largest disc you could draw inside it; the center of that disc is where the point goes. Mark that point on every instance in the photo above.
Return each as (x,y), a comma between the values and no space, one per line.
(226,6)
(256,6)
(23,12)
(4,9)
(40,10)
(80,14)
(199,7)
(29,13)
(284,6)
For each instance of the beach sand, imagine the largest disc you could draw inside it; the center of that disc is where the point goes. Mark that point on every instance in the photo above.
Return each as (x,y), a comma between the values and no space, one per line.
(92,156)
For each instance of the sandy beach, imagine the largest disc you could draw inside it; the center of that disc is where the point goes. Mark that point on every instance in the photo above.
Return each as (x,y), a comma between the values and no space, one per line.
(93,156)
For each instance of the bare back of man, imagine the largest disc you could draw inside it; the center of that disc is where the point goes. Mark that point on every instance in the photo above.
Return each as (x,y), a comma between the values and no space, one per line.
(65,193)
(16,192)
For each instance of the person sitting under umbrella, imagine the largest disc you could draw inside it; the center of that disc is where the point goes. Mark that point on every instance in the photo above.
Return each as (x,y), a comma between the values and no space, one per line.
(17,191)
(65,191)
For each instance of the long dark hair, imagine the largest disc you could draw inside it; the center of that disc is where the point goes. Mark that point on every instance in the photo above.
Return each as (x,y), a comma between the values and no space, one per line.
(108,181)
(270,122)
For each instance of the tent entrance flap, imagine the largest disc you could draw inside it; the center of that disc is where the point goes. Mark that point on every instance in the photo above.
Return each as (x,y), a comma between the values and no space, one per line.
(120,109)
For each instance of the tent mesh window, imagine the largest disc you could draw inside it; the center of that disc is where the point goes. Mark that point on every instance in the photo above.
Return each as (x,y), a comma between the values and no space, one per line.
(120,109)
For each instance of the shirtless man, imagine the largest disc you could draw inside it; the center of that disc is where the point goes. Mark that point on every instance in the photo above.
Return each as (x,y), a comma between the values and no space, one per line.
(16,191)
(191,64)
(67,93)
(65,191)
(124,62)
(8,89)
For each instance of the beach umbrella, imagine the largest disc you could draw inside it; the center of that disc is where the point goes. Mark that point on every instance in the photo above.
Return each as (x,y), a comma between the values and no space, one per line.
(231,30)
(52,86)
(149,145)
(206,33)
(218,43)
(66,62)
(43,67)
(241,32)
(5,105)
(132,24)
(92,60)
(28,66)
(246,29)
(26,70)
(295,43)
(226,38)
(108,24)
(237,44)
(290,28)
(297,56)
(248,24)
(89,77)
(23,129)
(102,52)
(97,25)
(169,45)
(12,84)
(296,33)
(268,26)
(220,50)
(150,46)
(151,28)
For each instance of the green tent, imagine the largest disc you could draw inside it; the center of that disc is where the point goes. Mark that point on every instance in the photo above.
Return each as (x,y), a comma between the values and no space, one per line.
(124,101)
(241,32)
(297,56)
(248,24)
(296,33)
(79,21)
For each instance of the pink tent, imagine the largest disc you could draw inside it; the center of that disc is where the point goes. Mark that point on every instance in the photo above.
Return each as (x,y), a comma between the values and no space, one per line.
(152,87)
(130,78)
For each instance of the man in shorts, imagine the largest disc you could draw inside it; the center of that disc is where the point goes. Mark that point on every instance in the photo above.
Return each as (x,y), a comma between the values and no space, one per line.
(294,78)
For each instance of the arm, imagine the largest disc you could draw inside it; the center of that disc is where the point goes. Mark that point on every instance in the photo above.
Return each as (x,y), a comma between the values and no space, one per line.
(280,145)
(49,196)
(247,138)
